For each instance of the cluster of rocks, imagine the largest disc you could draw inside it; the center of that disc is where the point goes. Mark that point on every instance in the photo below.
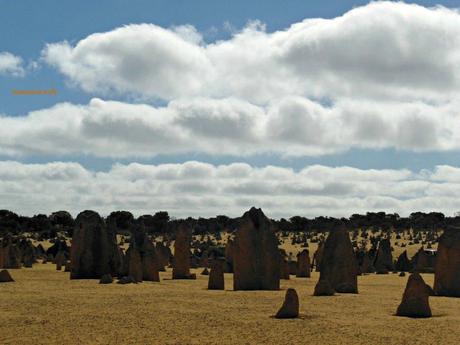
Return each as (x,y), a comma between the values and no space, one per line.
(9,254)
(415,299)
(19,252)
(380,260)
(252,255)
(95,253)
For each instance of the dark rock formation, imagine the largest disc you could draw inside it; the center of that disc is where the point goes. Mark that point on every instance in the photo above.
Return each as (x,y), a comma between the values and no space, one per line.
(338,264)
(366,264)
(229,249)
(90,249)
(447,268)
(303,264)
(284,269)
(68,266)
(290,307)
(5,277)
(60,260)
(323,288)
(292,267)
(415,298)
(164,256)
(106,279)
(318,256)
(181,264)
(134,262)
(403,263)
(384,260)
(58,246)
(422,262)
(256,263)
(9,254)
(115,255)
(216,277)
(127,280)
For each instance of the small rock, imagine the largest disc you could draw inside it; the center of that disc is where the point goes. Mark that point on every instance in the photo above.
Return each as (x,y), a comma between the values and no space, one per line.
(106,279)
(290,307)
(5,277)
(127,280)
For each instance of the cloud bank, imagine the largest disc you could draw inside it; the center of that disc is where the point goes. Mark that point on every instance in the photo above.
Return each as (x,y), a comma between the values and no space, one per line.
(385,75)
(199,189)
(291,126)
(384,50)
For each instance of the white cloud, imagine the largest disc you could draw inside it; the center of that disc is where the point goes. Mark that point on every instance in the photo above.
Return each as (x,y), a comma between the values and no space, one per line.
(188,33)
(142,59)
(201,189)
(11,65)
(290,126)
(389,73)
(385,50)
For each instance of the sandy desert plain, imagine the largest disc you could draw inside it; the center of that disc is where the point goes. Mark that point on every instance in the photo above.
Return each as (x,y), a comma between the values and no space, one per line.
(43,306)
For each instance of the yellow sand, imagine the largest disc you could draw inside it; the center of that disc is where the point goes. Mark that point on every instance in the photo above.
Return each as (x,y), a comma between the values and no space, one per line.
(44,307)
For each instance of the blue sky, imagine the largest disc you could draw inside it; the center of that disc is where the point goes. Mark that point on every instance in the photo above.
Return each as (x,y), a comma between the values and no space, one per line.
(28,26)
(369,110)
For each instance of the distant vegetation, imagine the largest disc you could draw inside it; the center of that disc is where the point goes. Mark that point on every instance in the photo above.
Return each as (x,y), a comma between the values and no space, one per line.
(161,223)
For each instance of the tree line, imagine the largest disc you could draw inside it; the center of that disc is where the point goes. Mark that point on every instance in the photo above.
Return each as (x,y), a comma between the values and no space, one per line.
(161,223)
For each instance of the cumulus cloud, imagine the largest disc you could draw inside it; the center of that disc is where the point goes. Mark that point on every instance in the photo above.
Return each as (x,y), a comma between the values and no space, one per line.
(384,75)
(142,59)
(291,126)
(11,65)
(200,189)
(382,50)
